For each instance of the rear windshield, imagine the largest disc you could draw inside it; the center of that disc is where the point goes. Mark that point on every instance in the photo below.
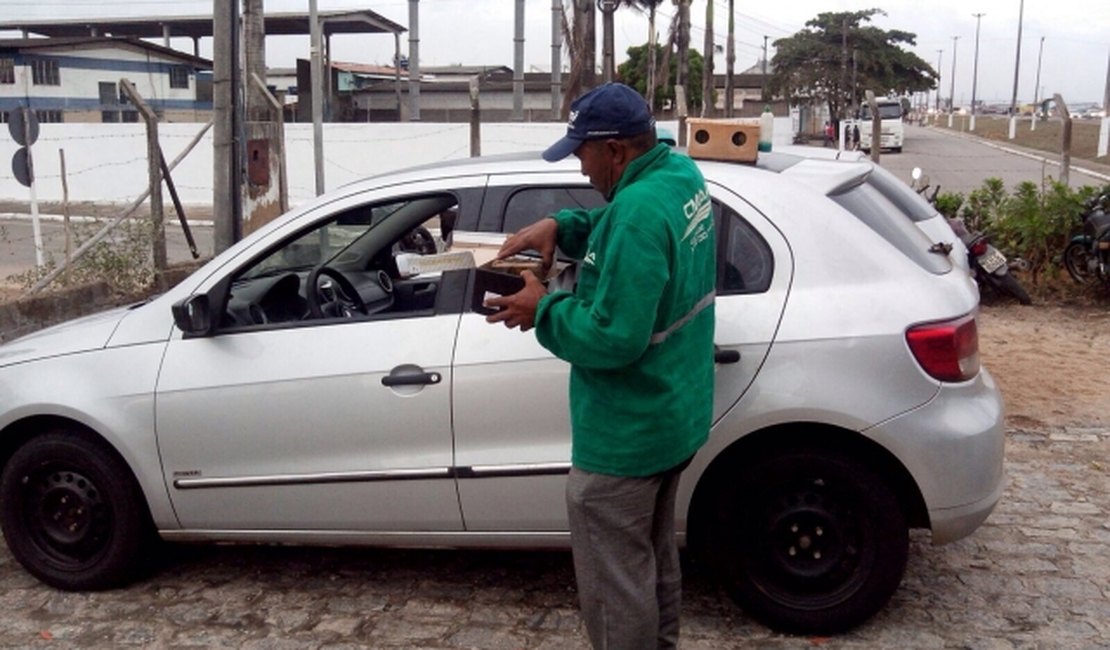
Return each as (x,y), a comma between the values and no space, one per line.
(869,205)
(910,203)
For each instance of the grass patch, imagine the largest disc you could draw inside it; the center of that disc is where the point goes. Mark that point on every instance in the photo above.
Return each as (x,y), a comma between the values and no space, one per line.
(1047,138)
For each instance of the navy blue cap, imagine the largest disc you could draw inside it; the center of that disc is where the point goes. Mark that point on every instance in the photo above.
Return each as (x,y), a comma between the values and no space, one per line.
(610,111)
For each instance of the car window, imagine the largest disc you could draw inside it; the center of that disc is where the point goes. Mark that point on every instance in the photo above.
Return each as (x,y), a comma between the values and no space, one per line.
(530,204)
(907,201)
(745,263)
(872,208)
(379,260)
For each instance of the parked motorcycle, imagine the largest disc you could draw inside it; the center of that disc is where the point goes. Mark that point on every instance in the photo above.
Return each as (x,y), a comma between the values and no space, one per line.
(987,264)
(1087,256)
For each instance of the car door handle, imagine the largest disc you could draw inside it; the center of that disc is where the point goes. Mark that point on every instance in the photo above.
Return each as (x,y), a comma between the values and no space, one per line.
(725,356)
(407,377)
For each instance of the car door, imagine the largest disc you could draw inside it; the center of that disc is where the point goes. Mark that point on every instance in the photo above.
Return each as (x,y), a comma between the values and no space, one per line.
(511,410)
(300,426)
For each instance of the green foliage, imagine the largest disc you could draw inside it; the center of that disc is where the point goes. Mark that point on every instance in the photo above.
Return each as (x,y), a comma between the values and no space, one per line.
(633,72)
(123,259)
(811,64)
(1032,223)
(948,204)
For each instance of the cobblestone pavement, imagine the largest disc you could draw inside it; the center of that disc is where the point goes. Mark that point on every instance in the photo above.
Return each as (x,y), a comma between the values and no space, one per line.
(1036,575)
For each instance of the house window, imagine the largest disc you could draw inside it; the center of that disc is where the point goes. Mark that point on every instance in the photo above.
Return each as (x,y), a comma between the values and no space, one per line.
(44,72)
(179,77)
(49,116)
(107,94)
(108,117)
(5,117)
(130,116)
(7,71)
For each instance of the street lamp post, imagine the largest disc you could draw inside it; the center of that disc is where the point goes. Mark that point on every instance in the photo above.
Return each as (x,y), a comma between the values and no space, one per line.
(952,83)
(1017,60)
(975,69)
(940,57)
(1037,86)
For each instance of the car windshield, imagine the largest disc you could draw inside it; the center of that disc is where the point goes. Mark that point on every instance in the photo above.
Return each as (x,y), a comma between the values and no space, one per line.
(887,111)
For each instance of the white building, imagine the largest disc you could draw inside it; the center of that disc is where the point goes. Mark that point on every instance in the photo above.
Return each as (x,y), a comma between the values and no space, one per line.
(77,79)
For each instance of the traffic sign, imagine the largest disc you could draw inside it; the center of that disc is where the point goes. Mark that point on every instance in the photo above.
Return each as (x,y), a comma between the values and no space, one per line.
(21,167)
(20,122)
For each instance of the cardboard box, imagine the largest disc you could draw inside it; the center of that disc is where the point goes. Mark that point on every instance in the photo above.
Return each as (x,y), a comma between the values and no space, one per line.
(723,139)
(503,278)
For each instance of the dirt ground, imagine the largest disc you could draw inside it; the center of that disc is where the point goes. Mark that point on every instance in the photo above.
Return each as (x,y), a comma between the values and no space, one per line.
(1050,362)
(1047,138)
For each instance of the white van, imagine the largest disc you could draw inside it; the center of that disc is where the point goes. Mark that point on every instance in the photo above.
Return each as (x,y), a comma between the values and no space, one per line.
(893,132)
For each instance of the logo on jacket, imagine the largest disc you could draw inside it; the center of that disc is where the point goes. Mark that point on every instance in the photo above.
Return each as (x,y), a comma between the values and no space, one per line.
(591,258)
(698,211)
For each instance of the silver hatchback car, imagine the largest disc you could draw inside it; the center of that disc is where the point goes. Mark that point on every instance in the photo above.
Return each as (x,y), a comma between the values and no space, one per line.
(330,379)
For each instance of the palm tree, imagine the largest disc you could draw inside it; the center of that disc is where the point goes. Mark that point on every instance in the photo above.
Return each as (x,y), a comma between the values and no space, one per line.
(579,35)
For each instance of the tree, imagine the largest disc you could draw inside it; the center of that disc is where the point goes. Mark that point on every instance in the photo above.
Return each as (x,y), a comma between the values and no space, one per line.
(814,63)
(634,72)
(579,35)
(650,6)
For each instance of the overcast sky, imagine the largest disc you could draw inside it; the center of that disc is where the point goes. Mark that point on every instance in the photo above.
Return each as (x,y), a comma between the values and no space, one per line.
(1076,34)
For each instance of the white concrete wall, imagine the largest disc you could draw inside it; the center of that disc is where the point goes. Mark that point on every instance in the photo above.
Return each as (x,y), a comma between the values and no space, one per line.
(107,162)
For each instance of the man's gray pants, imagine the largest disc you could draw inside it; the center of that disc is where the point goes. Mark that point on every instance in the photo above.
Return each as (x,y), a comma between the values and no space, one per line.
(625,558)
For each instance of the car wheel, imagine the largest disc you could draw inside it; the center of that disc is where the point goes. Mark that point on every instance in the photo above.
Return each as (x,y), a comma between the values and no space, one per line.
(72,514)
(1076,261)
(809,541)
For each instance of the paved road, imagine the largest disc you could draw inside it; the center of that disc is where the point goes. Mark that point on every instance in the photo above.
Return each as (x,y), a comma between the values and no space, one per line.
(1036,575)
(961,163)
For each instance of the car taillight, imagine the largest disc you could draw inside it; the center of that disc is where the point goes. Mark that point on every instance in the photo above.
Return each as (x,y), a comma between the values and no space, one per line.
(949,350)
(979,246)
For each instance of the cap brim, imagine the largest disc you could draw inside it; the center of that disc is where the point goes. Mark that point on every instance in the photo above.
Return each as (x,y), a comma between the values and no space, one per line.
(564,147)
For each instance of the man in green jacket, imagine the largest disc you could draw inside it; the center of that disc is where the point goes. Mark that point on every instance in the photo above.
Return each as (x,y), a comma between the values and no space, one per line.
(638,333)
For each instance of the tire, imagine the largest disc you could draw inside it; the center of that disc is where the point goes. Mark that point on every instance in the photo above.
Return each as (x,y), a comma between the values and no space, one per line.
(1008,284)
(72,514)
(808,541)
(896,150)
(1076,257)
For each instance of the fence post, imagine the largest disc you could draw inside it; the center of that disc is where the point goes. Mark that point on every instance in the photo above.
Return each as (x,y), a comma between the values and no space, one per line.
(154,171)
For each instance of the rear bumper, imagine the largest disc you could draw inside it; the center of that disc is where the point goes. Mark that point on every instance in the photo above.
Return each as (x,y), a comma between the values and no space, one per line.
(953,447)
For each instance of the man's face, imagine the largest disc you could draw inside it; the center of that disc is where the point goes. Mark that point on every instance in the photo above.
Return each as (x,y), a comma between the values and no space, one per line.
(596,159)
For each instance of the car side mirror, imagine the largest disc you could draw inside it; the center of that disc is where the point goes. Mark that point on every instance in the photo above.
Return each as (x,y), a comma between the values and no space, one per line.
(193,315)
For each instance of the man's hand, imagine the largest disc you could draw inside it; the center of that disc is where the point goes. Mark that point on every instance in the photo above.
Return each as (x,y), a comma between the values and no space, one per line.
(540,236)
(519,309)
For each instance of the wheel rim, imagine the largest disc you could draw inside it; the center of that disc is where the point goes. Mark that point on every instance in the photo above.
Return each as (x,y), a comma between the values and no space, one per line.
(66,515)
(809,547)
(1075,259)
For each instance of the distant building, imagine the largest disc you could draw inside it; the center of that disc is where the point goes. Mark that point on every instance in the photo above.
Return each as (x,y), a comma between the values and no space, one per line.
(77,79)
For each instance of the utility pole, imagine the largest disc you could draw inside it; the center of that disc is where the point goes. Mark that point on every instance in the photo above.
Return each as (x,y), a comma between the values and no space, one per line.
(518,63)
(683,75)
(952,83)
(730,58)
(556,58)
(414,60)
(707,72)
(1037,86)
(317,96)
(975,70)
(607,8)
(843,61)
(940,57)
(226,172)
(763,90)
(1017,60)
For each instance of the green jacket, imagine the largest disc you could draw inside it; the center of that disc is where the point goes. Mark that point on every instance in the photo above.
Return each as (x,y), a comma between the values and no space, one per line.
(638,329)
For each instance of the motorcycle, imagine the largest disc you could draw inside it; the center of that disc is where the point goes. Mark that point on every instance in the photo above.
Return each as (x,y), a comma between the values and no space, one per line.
(988,266)
(1087,256)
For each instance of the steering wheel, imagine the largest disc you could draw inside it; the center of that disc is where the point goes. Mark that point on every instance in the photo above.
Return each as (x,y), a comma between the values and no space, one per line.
(334,299)
(420,241)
